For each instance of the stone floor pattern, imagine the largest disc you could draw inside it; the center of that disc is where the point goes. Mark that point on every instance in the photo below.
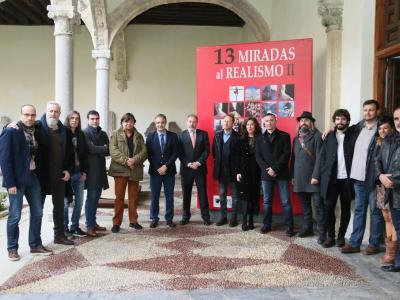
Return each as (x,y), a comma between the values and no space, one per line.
(187,257)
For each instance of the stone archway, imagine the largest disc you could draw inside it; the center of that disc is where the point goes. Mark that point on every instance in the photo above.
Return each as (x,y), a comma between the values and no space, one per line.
(129,9)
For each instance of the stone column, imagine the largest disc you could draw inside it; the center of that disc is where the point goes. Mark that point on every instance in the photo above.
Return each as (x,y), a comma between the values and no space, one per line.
(65,17)
(331,12)
(102,58)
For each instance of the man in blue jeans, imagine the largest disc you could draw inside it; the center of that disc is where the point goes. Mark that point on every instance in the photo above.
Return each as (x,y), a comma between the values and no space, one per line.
(162,151)
(272,155)
(362,173)
(18,152)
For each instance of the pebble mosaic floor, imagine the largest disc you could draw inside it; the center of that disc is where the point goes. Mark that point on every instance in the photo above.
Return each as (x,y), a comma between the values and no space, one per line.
(187,257)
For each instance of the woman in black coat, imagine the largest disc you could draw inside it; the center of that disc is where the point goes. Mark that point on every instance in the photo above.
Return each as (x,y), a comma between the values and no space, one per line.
(248,172)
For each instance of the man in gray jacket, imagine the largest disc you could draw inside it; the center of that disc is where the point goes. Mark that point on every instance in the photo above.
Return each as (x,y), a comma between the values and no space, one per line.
(305,173)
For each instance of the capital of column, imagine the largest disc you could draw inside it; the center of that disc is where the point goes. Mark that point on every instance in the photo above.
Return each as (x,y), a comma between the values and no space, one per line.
(331,12)
(102,57)
(65,17)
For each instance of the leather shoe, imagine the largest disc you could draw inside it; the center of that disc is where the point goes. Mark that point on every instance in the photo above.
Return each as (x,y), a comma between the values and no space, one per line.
(99,228)
(290,232)
(207,222)
(153,224)
(390,268)
(62,239)
(340,242)
(265,229)
(91,232)
(171,224)
(115,229)
(245,227)
(347,249)
(305,233)
(371,250)
(221,222)
(136,226)
(184,222)
(233,223)
(330,242)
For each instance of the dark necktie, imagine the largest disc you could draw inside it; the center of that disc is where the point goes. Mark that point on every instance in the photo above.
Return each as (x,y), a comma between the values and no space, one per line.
(162,143)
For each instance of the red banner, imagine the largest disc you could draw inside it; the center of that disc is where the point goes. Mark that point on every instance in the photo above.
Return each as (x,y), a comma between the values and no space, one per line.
(249,80)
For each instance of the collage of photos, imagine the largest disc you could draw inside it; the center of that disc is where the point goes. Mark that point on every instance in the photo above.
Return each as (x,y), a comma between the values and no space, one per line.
(255,101)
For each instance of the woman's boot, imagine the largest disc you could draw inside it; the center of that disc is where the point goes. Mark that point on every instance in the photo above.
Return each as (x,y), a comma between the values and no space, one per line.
(251,222)
(391,251)
(245,227)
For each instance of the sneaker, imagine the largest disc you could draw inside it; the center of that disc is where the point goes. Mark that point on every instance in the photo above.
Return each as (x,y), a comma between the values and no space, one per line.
(41,250)
(13,255)
(115,229)
(78,232)
(136,226)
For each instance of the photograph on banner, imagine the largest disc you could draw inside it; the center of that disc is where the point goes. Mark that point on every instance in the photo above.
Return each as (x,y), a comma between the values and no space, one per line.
(237,124)
(217,203)
(286,92)
(269,92)
(269,107)
(217,125)
(220,110)
(286,109)
(236,109)
(253,109)
(252,93)
(236,93)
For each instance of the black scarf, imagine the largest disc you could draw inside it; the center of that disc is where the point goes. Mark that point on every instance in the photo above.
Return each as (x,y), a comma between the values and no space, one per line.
(30,138)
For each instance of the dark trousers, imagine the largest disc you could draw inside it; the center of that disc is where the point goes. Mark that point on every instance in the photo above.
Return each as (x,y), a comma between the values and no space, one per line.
(187,181)
(156,182)
(342,188)
(57,196)
(306,199)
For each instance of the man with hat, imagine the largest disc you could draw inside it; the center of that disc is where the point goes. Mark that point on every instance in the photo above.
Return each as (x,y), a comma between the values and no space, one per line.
(305,174)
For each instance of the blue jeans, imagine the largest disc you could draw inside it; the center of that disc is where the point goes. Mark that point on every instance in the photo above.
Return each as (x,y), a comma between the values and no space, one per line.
(396,223)
(268,191)
(92,200)
(223,189)
(77,188)
(33,194)
(364,198)
(155,185)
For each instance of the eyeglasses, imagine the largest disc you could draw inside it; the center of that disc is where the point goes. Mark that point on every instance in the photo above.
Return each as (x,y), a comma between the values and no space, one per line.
(29,115)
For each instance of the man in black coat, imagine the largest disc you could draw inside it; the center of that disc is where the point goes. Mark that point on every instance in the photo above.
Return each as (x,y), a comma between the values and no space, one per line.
(97,148)
(224,149)
(56,164)
(162,150)
(194,148)
(272,155)
(336,159)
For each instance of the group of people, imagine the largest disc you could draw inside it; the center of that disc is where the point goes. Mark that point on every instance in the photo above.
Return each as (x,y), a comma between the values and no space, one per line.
(360,162)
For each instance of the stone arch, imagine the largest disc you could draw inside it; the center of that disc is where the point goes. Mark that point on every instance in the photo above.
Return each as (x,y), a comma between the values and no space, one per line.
(129,9)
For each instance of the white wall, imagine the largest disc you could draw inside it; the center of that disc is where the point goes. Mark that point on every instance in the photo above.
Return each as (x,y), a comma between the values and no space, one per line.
(357,55)
(161,65)
(300,19)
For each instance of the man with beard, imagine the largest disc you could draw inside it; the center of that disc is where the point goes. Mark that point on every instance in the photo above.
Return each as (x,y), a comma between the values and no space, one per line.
(362,173)
(18,153)
(57,163)
(97,147)
(336,157)
(388,172)
(305,173)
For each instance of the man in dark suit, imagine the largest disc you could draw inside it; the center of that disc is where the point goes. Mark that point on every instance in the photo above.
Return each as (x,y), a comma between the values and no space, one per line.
(272,155)
(162,149)
(224,149)
(194,148)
